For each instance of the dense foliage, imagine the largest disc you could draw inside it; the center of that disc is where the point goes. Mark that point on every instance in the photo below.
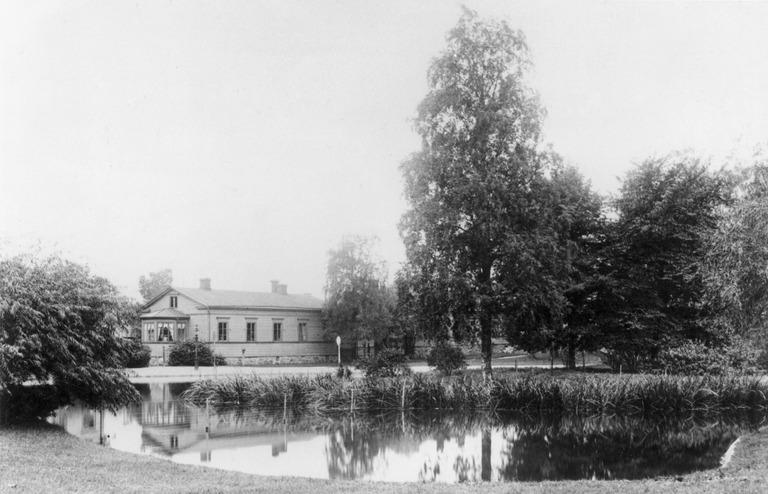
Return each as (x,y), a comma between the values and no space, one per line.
(446,358)
(359,305)
(666,209)
(136,354)
(59,324)
(694,357)
(386,362)
(184,353)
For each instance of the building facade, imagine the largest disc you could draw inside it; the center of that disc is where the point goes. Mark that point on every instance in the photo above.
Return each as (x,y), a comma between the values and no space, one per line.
(245,327)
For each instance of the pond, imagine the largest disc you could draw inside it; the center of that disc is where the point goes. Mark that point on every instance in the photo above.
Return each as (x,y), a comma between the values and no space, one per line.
(406,447)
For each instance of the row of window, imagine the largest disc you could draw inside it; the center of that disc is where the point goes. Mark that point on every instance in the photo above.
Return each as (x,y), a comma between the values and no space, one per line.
(165,331)
(250,331)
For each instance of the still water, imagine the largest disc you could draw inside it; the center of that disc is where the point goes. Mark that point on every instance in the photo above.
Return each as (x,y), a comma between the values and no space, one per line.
(403,447)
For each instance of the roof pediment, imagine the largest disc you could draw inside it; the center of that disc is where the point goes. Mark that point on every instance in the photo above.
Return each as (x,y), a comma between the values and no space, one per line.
(165,313)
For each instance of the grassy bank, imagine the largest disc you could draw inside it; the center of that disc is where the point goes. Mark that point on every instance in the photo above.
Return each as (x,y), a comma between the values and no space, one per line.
(525,392)
(43,458)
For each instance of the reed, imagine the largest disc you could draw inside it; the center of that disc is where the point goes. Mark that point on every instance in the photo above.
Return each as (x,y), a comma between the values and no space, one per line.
(529,393)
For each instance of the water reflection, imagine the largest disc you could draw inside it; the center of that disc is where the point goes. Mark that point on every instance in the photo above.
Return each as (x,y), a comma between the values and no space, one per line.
(404,447)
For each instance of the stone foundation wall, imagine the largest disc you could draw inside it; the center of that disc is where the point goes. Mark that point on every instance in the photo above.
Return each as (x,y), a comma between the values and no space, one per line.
(260,354)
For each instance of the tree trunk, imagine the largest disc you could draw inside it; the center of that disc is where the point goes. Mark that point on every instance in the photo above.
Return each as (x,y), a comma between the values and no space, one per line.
(5,399)
(486,344)
(570,357)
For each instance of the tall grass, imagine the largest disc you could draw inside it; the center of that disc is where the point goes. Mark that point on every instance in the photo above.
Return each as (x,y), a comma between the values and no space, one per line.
(530,393)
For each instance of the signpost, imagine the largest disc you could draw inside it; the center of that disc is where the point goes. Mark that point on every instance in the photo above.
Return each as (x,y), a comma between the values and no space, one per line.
(338,346)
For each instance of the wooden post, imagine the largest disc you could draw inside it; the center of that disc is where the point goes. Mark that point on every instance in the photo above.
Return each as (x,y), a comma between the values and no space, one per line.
(352,401)
(402,398)
(101,426)
(207,418)
(285,406)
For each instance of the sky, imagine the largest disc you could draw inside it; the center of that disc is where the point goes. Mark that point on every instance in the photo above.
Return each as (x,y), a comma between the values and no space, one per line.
(242,140)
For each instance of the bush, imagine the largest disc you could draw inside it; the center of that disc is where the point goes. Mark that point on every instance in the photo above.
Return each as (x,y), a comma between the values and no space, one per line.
(695,358)
(136,354)
(385,363)
(183,353)
(446,358)
(28,404)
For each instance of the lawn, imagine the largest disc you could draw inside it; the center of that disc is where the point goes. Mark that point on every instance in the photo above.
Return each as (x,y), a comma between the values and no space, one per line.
(43,458)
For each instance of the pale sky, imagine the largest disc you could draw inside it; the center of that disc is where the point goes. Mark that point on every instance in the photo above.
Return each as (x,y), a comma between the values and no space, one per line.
(241,140)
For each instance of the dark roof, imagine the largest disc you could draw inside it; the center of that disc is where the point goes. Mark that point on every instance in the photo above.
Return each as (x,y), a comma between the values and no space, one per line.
(167,313)
(232,298)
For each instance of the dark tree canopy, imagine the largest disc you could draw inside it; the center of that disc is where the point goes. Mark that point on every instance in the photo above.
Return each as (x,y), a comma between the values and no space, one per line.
(666,209)
(59,323)
(151,285)
(358,302)
(579,228)
(478,235)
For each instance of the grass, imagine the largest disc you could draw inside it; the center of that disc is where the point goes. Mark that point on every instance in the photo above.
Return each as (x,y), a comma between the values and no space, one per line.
(650,395)
(42,458)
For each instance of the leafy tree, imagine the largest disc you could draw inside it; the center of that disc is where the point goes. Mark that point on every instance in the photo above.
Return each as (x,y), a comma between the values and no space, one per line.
(59,324)
(736,261)
(358,303)
(666,209)
(151,285)
(480,247)
(580,227)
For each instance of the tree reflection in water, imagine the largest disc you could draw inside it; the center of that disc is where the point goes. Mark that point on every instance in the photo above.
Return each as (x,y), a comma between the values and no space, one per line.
(536,449)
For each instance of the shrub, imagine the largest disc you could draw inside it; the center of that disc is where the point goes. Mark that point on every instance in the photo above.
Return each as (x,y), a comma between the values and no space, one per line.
(446,358)
(183,353)
(136,354)
(385,363)
(695,358)
(28,404)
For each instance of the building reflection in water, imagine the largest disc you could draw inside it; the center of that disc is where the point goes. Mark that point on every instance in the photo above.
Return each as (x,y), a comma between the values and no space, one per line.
(420,448)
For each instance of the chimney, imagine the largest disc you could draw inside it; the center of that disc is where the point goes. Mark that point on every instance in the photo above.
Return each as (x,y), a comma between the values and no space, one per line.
(205,284)
(282,289)
(275,285)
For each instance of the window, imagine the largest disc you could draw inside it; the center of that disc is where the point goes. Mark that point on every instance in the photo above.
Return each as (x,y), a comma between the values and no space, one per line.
(250,331)
(174,302)
(164,331)
(222,331)
(181,330)
(149,330)
(277,331)
(302,331)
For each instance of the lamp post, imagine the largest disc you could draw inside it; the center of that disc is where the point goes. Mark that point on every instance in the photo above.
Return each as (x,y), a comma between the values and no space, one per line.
(338,347)
(196,336)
